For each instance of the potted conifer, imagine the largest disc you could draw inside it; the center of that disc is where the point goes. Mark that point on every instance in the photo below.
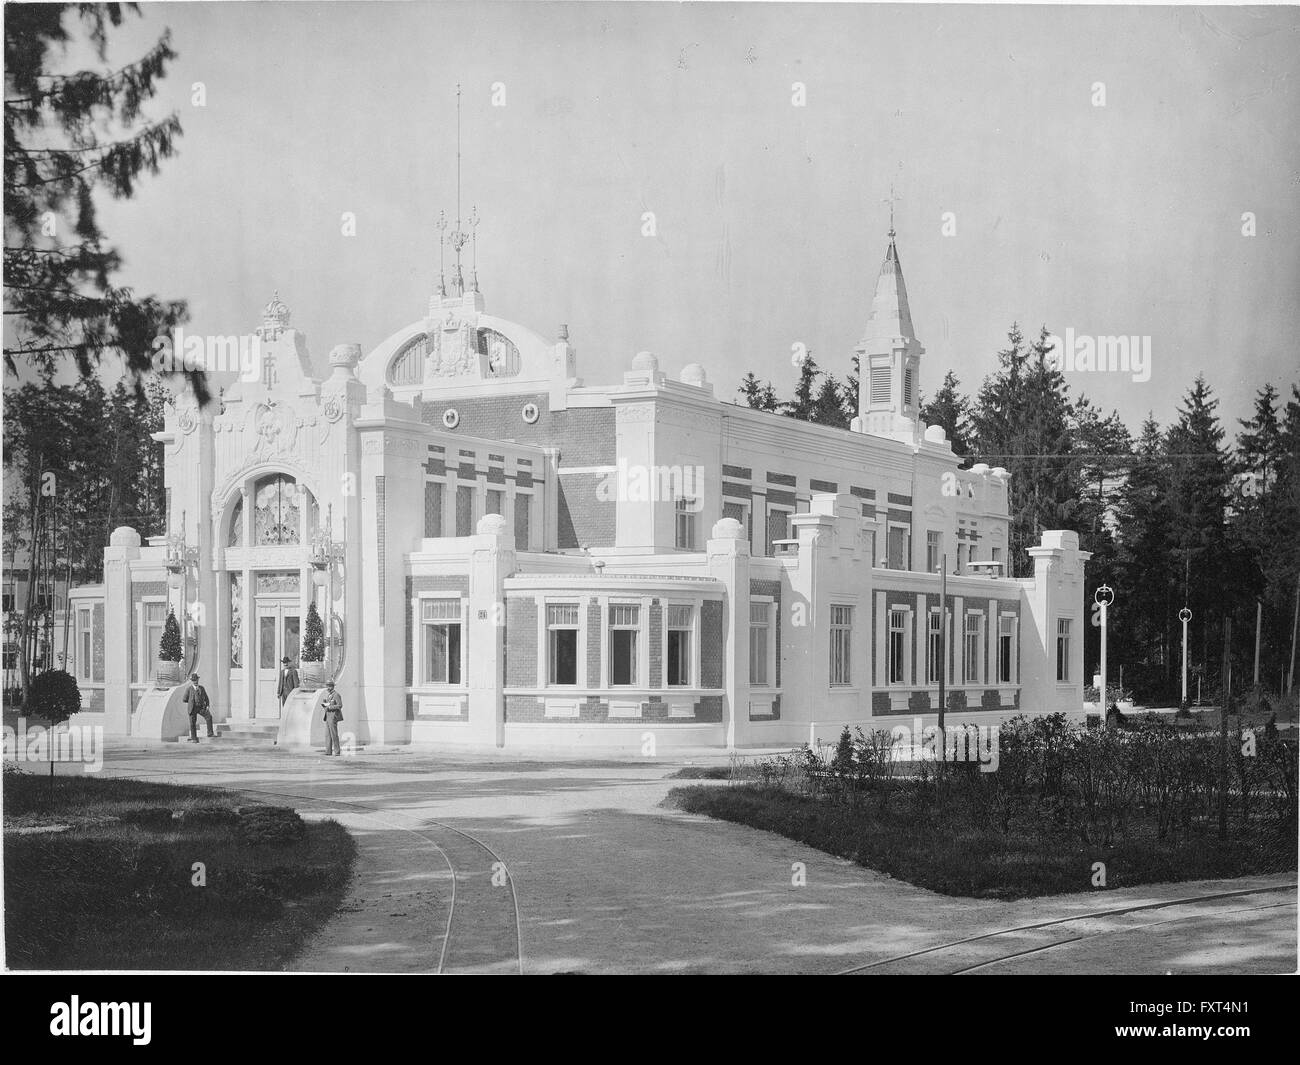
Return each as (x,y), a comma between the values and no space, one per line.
(170,653)
(311,674)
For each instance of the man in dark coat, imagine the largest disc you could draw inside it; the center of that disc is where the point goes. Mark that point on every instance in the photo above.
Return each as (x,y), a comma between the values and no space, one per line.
(196,698)
(288,680)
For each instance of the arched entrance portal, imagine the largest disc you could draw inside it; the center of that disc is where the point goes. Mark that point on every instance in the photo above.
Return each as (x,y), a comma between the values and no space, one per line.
(267,588)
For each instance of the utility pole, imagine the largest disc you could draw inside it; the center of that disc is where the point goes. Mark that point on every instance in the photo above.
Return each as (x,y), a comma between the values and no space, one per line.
(1259,621)
(1295,622)
(943,649)
(1225,680)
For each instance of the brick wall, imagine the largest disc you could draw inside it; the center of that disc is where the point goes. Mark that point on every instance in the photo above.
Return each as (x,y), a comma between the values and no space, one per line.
(585,436)
(656,644)
(594,631)
(711,645)
(521,643)
(583,518)
(97,644)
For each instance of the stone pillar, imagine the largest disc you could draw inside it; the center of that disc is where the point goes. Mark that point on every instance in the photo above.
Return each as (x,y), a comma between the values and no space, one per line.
(123,548)
(492,560)
(390,487)
(1055,592)
(728,554)
(805,650)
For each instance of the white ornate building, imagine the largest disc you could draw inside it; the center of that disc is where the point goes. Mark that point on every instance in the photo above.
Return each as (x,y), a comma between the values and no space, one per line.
(504,555)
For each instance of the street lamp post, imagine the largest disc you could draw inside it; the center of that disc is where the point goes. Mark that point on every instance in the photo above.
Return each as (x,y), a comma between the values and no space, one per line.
(1184,616)
(1103,596)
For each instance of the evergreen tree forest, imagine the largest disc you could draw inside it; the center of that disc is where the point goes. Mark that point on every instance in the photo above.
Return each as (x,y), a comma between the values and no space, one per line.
(1196,513)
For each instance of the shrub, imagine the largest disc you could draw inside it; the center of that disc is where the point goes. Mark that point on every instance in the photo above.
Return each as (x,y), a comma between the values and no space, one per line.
(209,814)
(271,824)
(149,817)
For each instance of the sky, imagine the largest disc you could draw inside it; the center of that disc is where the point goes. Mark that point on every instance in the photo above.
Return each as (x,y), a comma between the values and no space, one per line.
(1018,196)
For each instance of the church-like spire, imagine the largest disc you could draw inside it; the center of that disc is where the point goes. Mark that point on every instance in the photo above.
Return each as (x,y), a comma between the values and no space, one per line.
(889,355)
(890,314)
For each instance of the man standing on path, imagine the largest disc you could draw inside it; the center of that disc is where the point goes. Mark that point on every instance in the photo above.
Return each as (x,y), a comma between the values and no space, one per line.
(332,704)
(288,680)
(196,697)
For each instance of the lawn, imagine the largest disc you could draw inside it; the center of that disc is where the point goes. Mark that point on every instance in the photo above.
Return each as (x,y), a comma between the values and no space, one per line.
(953,856)
(1064,809)
(102,875)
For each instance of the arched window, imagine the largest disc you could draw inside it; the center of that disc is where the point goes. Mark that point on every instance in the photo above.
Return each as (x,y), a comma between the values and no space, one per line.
(236,538)
(276,510)
(503,356)
(407,366)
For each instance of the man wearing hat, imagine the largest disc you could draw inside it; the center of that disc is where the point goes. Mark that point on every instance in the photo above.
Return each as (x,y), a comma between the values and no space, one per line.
(196,698)
(288,680)
(332,704)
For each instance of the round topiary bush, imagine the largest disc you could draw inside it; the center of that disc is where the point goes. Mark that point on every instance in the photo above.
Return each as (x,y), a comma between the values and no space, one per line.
(54,696)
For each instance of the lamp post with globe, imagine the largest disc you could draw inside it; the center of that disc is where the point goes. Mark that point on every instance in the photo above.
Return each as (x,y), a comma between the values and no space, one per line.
(1184,616)
(1104,597)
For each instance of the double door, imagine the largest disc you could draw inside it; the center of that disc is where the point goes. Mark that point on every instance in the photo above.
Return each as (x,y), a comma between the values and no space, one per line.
(277,628)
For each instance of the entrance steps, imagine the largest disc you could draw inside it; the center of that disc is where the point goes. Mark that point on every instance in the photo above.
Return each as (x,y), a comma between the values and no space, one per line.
(253,731)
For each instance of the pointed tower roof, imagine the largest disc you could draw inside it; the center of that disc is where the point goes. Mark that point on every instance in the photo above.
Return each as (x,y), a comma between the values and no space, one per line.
(890,314)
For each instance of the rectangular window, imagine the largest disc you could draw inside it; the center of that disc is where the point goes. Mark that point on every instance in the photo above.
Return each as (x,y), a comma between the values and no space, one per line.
(933,551)
(8,602)
(1006,635)
(496,501)
(562,643)
(464,510)
(997,557)
(155,615)
(433,508)
(624,637)
(898,647)
(907,387)
(685,524)
(83,644)
(441,621)
(680,626)
(760,639)
(523,520)
(778,527)
(974,648)
(896,547)
(934,648)
(10,656)
(1063,650)
(841,645)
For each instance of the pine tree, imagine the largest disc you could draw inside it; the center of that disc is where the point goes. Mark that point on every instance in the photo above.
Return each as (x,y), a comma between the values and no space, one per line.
(313,641)
(1021,421)
(60,301)
(804,402)
(950,409)
(169,647)
(758,395)
(828,406)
